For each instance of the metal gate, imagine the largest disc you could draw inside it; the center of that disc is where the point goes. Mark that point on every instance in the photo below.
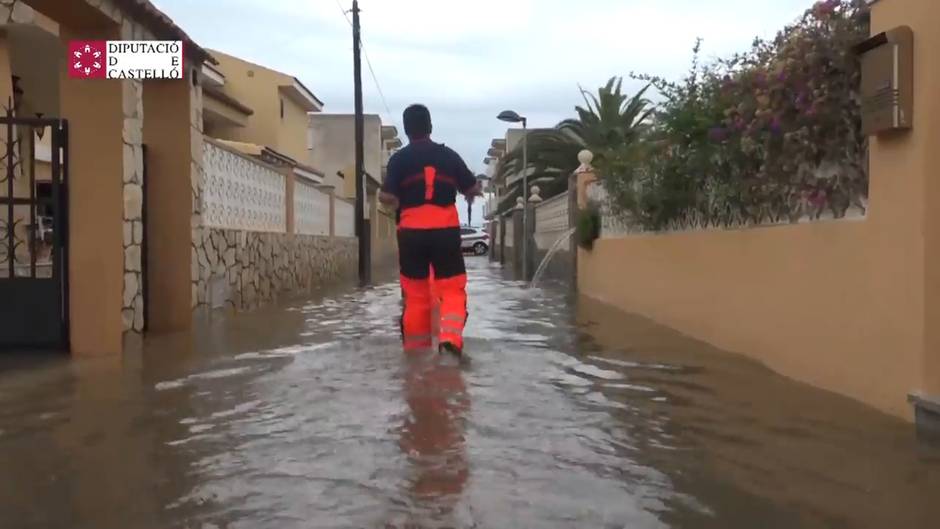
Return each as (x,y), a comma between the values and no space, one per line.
(145,245)
(33,233)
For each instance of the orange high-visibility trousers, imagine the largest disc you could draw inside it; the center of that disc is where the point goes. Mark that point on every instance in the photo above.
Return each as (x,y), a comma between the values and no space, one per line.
(433,275)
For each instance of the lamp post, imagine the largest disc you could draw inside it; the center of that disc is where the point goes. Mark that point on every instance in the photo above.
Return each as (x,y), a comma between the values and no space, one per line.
(510,116)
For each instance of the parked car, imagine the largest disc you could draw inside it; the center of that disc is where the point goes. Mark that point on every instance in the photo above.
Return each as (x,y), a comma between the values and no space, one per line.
(475,240)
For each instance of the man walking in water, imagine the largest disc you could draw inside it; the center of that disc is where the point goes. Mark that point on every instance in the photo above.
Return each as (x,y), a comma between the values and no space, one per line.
(422,182)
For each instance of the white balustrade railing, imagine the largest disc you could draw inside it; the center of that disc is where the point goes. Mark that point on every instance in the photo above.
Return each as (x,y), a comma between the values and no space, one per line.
(240,193)
(345,219)
(311,210)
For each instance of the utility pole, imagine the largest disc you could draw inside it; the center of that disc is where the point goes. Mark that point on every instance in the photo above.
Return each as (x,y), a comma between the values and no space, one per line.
(363,233)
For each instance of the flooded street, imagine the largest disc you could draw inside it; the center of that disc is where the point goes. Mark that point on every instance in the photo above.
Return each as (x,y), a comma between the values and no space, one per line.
(567,415)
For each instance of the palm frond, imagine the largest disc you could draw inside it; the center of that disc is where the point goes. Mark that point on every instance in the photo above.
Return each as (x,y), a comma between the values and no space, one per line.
(608,121)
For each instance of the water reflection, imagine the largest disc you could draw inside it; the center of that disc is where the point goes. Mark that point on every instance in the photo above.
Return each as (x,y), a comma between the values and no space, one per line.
(433,438)
(310,416)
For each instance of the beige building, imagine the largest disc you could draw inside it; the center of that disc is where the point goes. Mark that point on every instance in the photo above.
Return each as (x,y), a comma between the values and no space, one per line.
(78,250)
(332,138)
(126,218)
(252,104)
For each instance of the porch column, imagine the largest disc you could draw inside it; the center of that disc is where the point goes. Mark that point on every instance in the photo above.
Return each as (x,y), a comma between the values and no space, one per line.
(173,145)
(95,110)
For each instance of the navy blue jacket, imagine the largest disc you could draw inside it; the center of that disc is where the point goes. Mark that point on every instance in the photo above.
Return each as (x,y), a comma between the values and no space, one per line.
(406,175)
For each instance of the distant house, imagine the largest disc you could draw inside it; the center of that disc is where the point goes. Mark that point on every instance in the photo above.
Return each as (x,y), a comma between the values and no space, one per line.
(261,112)
(332,137)
(502,190)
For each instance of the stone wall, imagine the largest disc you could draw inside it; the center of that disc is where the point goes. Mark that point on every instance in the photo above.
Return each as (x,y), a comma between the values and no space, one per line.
(197,154)
(243,257)
(132,314)
(244,269)
(133,306)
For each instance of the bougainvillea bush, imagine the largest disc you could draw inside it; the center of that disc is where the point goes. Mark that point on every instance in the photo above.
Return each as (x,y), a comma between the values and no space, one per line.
(769,135)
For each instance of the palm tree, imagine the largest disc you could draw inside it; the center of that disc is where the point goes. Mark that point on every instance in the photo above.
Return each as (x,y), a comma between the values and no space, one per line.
(608,121)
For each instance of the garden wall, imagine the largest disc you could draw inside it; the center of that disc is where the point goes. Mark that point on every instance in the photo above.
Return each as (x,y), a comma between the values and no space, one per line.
(264,234)
(837,304)
(852,306)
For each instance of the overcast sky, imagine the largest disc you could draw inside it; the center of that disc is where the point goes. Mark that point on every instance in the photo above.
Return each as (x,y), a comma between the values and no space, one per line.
(469,59)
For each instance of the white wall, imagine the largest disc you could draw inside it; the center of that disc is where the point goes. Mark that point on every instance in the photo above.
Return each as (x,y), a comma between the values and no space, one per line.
(345,219)
(311,210)
(242,193)
(551,220)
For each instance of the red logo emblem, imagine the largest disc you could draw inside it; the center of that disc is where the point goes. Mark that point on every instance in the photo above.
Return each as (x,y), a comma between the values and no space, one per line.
(87,59)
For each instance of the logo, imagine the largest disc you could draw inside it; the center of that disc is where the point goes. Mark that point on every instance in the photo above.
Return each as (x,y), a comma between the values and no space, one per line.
(87,59)
(126,59)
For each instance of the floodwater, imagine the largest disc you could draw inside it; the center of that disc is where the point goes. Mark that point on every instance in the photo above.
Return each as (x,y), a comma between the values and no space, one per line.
(569,415)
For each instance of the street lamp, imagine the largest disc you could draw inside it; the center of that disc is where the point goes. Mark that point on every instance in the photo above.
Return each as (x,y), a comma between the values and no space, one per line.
(510,116)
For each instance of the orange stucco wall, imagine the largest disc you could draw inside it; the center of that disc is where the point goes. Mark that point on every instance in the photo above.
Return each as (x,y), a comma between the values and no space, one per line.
(95,113)
(168,137)
(851,306)
(835,304)
(916,158)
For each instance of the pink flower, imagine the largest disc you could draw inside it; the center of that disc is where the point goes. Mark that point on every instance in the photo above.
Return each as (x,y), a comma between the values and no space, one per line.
(760,79)
(825,8)
(717,134)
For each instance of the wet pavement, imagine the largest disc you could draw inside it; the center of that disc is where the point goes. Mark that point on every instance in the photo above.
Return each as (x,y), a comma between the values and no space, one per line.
(568,415)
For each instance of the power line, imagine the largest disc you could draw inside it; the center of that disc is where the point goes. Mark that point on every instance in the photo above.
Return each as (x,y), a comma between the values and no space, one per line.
(365,53)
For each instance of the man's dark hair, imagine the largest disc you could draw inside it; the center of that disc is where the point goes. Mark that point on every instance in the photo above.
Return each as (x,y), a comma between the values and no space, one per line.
(417,120)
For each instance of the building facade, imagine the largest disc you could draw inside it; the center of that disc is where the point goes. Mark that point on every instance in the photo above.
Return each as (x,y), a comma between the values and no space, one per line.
(77,249)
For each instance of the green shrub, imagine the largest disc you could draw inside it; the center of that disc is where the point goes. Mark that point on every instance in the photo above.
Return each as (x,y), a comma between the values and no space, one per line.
(589,227)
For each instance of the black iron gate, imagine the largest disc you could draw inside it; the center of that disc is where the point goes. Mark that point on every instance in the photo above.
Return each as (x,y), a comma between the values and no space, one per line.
(144,245)
(33,233)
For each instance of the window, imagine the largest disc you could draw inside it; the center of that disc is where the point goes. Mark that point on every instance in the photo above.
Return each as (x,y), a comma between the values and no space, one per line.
(467,231)
(282,108)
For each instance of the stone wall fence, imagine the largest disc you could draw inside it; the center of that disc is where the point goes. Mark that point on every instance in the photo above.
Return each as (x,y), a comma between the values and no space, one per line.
(265,233)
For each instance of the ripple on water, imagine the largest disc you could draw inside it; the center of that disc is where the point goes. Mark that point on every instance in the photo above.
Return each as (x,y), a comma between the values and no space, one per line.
(333,427)
(207,375)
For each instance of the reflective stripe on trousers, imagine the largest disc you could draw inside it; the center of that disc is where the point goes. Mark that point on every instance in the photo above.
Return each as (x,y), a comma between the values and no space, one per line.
(453,296)
(416,315)
(419,302)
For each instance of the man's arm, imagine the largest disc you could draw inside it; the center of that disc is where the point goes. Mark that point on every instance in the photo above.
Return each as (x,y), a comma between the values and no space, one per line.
(388,199)
(467,182)
(388,196)
(475,191)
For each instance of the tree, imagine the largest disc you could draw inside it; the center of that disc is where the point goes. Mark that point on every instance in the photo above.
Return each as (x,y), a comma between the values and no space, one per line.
(608,121)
